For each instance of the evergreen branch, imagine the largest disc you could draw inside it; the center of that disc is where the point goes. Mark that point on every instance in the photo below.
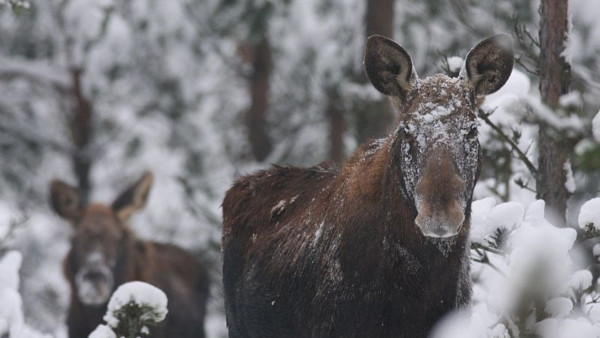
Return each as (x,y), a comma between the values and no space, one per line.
(484,259)
(534,72)
(479,246)
(12,226)
(590,232)
(522,156)
(524,185)
(525,41)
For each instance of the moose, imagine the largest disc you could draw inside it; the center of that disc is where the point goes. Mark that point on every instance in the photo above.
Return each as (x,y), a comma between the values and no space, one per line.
(378,248)
(106,253)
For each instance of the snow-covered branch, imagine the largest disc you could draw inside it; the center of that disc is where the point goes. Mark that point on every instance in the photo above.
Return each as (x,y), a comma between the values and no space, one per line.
(30,134)
(15,4)
(41,72)
(527,282)
(522,156)
(133,309)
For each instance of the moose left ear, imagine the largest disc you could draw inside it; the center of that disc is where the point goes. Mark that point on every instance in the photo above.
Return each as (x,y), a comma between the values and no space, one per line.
(489,64)
(65,200)
(133,198)
(388,66)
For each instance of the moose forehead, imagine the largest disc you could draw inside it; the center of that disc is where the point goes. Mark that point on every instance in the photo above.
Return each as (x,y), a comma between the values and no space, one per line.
(439,100)
(99,220)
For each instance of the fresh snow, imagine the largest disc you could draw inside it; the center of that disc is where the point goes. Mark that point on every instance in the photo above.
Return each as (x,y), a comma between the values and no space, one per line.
(102,331)
(596,250)
(581,280)
(455,63)
(488,217)
(570,180)
(559,307)
(12,322)
(533,242)
(590,214)
(596,127)
(571,99)
(139,293)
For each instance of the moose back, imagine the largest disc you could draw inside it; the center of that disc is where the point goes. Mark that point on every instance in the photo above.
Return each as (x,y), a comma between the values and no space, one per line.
(105,253)
(378,248)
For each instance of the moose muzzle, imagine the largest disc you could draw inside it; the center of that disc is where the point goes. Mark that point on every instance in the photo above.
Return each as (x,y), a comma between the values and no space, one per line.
(439,198)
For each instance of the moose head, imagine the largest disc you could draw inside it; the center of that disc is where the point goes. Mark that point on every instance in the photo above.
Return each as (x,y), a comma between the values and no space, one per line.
(435,144)
(101,237)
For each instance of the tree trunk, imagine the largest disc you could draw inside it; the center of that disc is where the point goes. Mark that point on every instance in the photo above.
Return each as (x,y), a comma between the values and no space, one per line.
(375,118)
(380,18)
(337,128)
(81,133)
(554,82)
(256,118)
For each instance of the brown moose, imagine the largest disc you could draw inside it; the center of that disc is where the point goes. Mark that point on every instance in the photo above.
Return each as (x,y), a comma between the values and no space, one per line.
(105,253)
(379,247)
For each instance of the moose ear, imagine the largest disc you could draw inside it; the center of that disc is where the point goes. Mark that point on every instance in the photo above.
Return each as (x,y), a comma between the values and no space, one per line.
(65,200)
(388,66)
(133,198)
(489,64)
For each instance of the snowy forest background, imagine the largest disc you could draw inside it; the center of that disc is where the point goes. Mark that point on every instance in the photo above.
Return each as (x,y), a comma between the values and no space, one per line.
(94,92)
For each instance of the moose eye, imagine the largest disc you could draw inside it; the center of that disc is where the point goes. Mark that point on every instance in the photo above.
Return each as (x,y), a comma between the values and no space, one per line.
(405,133)
(472,133)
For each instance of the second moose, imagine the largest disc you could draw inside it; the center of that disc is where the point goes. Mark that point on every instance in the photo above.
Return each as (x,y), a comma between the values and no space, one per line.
(105,253)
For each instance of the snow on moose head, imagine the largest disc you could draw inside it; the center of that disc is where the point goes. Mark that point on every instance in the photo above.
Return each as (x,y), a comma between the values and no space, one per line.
(101,240)
(435,142)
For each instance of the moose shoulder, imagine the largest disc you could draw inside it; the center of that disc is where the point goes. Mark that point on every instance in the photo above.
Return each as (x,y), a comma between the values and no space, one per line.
(378,248)
(105,253)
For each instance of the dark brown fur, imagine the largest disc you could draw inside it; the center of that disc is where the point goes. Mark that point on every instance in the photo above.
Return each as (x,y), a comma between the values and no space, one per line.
(278,284)
(319,252)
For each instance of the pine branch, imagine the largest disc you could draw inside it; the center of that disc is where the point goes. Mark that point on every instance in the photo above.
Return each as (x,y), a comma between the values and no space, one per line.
(135,320)
(524,185)
(526,43)
(590,232)
(12,226)
(522,156)
(484,259)
(479,246)
(534,72)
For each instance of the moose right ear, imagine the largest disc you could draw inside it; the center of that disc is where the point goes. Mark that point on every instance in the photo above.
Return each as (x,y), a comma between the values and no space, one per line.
(65,200)
(388,66)
(489,64)
(133,198)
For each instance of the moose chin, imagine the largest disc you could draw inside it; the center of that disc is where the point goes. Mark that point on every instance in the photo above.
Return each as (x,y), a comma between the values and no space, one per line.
(378,248)
(106,253)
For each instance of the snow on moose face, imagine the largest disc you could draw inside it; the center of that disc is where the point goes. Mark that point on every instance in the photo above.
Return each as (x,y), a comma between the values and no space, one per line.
(435,144)
(440,155)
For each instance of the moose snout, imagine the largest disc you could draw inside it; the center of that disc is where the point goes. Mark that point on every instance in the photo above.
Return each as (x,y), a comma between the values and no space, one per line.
(440,205)
(95,277)
(94,284)
(440,224)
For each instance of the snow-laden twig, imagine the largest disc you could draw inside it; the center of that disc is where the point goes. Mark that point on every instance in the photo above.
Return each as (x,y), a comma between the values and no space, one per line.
(12,226)
(133,309)
(522,156)
(39,71)
(479,246)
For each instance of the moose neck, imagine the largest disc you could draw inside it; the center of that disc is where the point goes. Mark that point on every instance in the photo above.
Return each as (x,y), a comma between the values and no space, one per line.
(124,269)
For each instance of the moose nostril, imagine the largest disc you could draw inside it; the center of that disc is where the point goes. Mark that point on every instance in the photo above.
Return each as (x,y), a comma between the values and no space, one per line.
(440,231)
(94,277)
